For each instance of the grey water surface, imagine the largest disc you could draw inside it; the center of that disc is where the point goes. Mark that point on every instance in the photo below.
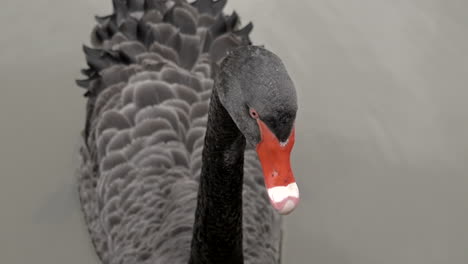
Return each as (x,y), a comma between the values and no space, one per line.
(381,153)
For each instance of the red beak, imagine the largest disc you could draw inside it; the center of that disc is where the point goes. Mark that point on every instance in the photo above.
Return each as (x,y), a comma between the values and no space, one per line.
(275,160)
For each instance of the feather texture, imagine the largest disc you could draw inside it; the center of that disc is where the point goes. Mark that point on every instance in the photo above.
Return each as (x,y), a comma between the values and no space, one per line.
(148,88)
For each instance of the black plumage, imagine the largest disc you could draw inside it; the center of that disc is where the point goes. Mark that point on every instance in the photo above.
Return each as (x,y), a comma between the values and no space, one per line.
(149,82)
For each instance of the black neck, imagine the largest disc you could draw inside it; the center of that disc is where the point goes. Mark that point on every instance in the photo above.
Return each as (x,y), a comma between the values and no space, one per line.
(217,234)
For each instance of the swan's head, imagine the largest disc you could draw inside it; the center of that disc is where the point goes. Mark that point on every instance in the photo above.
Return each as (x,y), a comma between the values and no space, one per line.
(256,90)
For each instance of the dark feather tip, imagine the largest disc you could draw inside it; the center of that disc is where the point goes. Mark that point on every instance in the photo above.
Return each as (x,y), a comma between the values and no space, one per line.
(218,6)
(103,19)
(83,83)
(92,52)
(245,31)
(208,6)
(87,72)
(232,21)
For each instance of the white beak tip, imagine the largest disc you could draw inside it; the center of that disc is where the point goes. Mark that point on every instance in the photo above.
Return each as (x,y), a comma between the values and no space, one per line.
(288,206)
(284,198)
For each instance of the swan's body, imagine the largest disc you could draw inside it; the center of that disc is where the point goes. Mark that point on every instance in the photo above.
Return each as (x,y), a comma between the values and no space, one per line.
(151,80)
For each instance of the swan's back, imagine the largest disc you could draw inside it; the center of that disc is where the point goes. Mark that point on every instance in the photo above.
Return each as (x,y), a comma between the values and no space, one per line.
(150,80)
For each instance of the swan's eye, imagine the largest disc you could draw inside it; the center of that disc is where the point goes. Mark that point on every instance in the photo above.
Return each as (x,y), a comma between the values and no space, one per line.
(253,113)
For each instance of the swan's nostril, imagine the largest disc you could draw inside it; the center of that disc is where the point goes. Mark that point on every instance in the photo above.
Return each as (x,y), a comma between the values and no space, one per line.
(274,174)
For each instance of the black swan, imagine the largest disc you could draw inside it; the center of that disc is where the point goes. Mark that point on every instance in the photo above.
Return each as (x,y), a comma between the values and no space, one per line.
(187,141)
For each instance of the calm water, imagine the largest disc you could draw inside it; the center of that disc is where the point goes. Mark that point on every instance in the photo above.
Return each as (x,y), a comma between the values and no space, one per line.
(382,148)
